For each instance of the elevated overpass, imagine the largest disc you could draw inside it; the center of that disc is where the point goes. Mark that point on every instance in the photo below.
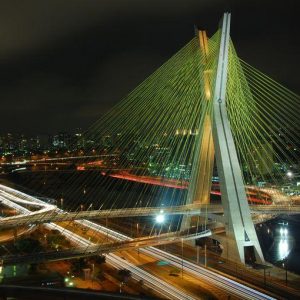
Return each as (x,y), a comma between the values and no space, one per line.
(96,249)
(50,213)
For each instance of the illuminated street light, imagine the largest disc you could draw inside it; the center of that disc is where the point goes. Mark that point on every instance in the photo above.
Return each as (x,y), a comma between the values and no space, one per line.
(160,218)
(289,174)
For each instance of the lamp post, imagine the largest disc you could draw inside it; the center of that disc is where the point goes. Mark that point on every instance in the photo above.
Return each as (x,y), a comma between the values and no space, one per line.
(285,262)
(93,272)
(137,236)
(181,258)
(205,257)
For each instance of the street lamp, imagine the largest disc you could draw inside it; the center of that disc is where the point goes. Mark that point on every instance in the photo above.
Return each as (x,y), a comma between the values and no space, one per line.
(160,218)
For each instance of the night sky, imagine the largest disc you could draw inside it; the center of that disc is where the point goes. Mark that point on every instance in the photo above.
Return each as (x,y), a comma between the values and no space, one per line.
(64,63)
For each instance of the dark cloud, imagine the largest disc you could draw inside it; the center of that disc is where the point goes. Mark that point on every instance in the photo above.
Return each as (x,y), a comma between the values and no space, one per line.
(66,62)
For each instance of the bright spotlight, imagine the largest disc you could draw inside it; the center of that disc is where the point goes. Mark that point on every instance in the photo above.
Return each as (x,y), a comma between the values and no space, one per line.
(160,218)
(289,174)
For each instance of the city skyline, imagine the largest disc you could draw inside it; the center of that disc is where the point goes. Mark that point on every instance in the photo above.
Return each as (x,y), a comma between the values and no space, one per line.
(79,63)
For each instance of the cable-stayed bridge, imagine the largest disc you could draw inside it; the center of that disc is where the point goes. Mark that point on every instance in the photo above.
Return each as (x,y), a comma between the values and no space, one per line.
(204,111)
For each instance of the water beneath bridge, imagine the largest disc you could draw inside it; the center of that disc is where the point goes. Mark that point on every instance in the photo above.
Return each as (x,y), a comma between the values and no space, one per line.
(280,240)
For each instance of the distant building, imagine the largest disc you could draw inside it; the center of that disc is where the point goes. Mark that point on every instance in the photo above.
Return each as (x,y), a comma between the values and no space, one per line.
(61,141)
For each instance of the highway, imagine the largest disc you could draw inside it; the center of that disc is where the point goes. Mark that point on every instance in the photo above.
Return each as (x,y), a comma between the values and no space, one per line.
(228,285)
(55,159)
(161,287)
(97,249)
(275,195)
(50,213)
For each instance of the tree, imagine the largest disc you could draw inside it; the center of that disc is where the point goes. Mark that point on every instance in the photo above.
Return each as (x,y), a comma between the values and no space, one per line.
(33,268)
(100,259)
(28,245)
(57,239)
(124,274)
(78,265)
